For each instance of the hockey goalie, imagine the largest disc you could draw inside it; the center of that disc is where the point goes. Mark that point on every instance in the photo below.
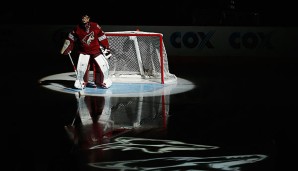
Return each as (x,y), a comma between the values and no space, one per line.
(93,49)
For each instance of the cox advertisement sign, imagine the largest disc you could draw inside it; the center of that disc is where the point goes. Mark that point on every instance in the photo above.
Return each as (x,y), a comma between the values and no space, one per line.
(223,41)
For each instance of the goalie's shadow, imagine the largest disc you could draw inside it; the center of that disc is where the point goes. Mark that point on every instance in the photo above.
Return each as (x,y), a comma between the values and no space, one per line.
(58,83)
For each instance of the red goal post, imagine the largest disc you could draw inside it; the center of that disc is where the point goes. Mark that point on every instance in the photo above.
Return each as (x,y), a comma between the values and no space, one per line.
(137,54)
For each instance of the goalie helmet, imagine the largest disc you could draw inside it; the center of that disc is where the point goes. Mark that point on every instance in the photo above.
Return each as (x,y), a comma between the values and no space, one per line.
(85,18)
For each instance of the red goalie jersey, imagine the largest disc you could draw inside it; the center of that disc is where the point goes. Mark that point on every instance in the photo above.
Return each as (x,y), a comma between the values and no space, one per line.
(89,36)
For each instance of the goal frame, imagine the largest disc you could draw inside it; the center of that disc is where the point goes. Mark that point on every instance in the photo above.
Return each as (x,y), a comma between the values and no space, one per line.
(143,34)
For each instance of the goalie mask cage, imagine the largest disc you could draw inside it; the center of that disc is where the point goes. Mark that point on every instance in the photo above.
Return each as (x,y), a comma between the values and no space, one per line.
(140,56)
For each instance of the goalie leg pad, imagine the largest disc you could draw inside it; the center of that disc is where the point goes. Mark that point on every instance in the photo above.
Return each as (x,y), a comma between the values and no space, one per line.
(107,83)
(79,84)
(82,66)
(102,78)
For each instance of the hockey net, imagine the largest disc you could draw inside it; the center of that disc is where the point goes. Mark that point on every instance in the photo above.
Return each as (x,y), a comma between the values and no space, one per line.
(140,56)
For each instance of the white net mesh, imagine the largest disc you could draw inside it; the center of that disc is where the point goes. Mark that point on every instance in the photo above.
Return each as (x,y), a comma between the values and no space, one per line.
(139,55)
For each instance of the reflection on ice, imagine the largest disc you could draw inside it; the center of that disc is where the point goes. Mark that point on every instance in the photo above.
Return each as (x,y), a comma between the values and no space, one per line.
(221,163)
(150,145)
(100,118)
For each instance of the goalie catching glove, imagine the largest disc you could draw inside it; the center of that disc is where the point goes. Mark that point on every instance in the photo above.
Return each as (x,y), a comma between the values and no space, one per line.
(106,52)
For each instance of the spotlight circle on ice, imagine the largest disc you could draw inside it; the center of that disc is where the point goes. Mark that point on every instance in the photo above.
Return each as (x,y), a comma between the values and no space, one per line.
(121,87)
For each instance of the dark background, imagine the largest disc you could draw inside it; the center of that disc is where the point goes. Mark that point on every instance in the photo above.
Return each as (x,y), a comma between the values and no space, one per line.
(189,12)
